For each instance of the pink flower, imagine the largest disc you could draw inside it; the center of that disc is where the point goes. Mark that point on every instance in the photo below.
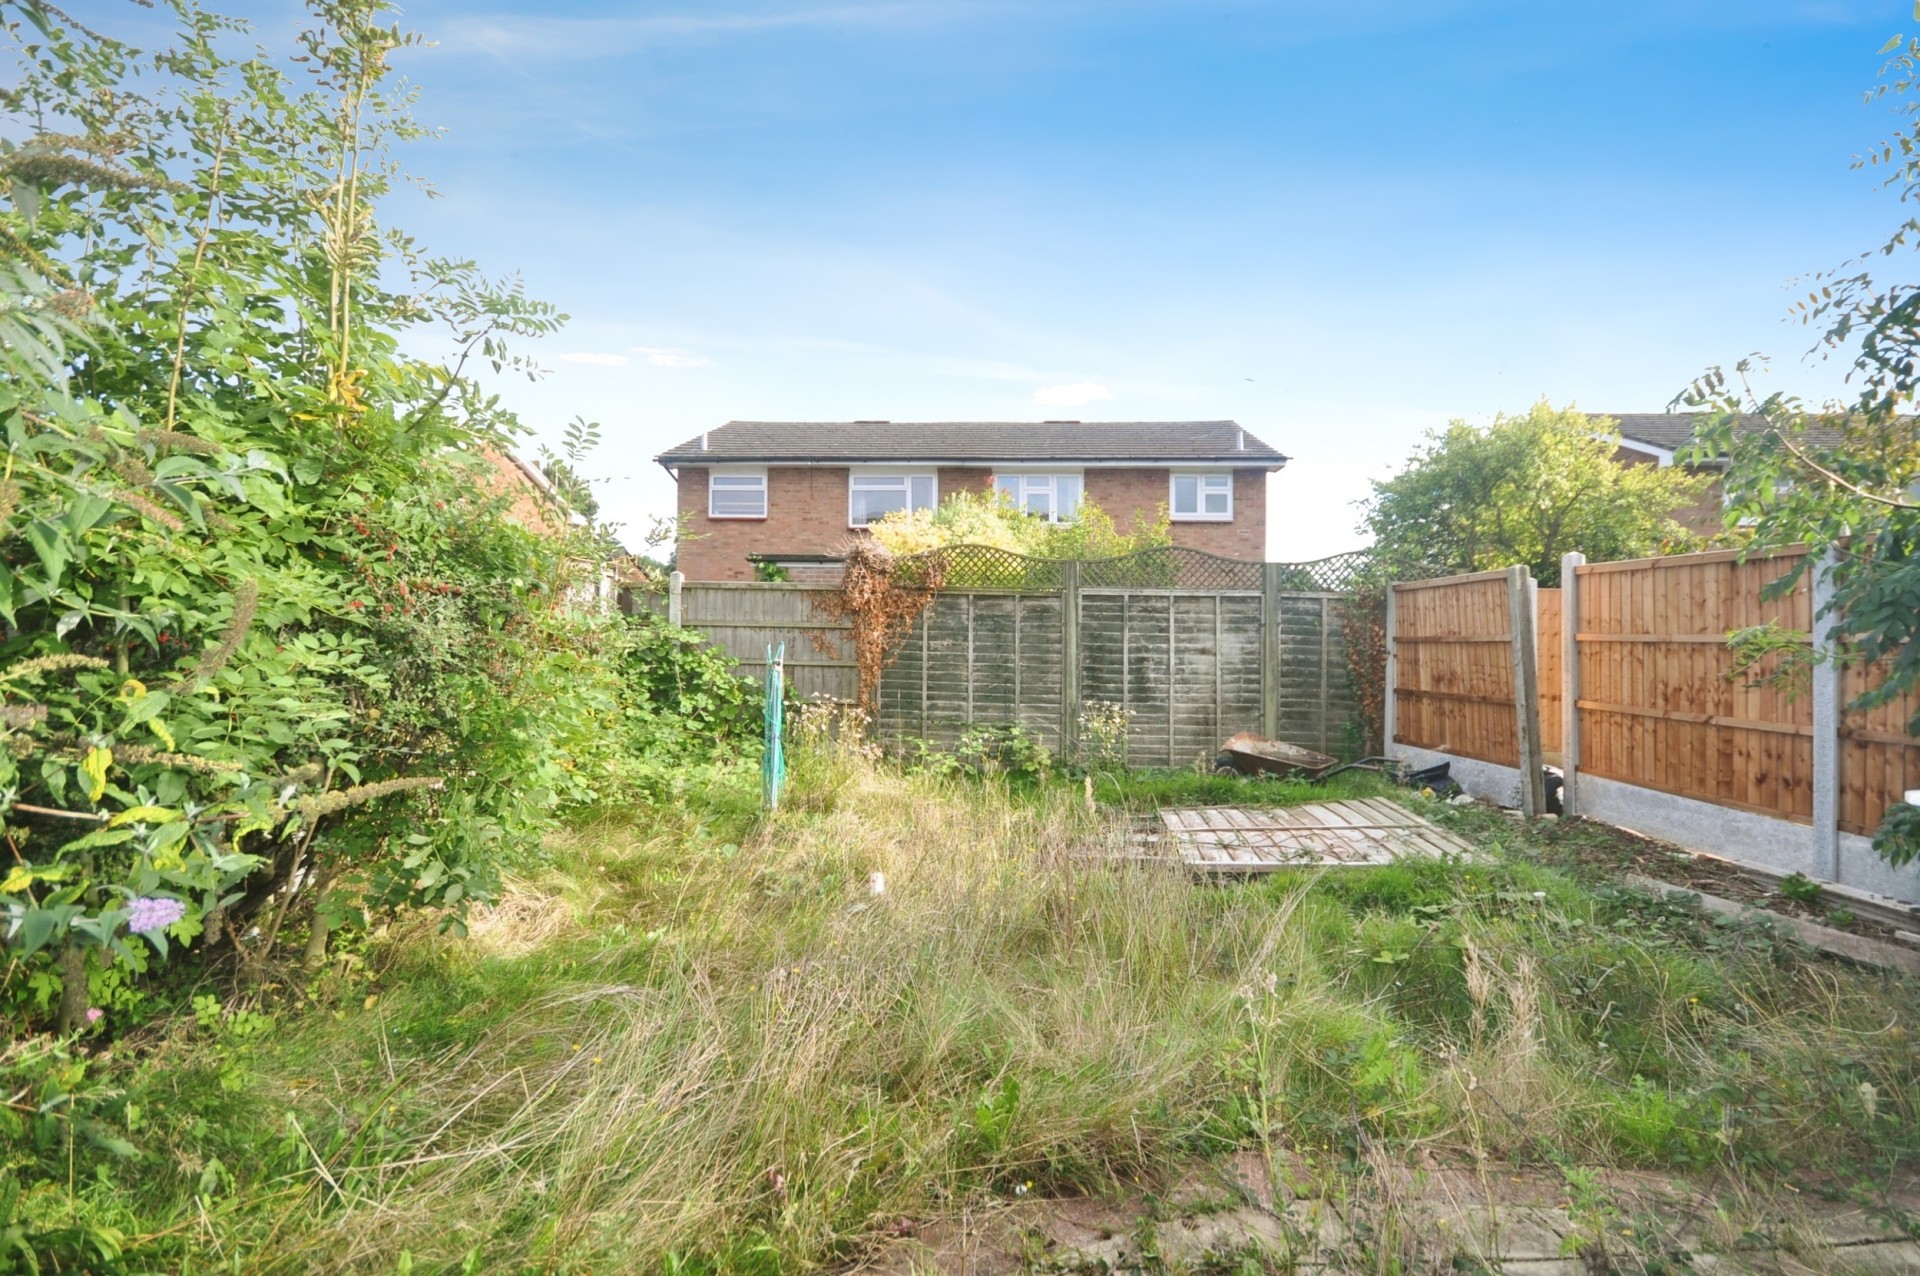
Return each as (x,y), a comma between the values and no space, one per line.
(95,1014)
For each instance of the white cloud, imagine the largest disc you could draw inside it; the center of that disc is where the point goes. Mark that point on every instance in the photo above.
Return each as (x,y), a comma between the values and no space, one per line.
(596,358)
(1071,396)
(520,38)
(666,357)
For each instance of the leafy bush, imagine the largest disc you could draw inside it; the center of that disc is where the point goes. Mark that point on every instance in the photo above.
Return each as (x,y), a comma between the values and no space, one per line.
(987,518)
(1898,838)
(1003,749)
(270,647)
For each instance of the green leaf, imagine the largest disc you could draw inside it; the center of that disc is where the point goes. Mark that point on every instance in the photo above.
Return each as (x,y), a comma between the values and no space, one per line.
(36,928)
(102,837)
(86,511)
(140,708)
(50,544)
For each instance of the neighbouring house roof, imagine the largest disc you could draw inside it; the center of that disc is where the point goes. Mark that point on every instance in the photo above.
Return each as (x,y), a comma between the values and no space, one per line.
(976,442)
(1672,431)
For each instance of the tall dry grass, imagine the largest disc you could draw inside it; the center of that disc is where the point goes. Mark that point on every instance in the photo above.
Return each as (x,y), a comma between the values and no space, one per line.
(801,1060)
(736,1056)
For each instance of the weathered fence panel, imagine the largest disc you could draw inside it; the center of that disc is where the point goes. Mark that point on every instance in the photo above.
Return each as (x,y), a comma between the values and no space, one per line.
(1317,703)
(977,658)
(742,618)
(1660,705)
(1190,665)
(1454,691)
(1186,667)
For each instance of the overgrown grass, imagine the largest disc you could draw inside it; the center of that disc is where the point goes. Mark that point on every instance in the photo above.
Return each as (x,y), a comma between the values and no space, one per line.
(698,1043)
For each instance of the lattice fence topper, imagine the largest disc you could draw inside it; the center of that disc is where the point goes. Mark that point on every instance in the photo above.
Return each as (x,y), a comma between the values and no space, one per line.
(1168,567)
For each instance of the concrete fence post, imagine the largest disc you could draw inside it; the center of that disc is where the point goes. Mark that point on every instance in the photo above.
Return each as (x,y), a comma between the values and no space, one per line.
(1069,658)
(1526,692)
(674,581)
(1570,565)
(1390,682)
(1828,694)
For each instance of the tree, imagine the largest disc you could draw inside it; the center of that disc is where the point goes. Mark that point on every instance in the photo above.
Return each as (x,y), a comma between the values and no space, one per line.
(1845,478)
(987,518)
(264,636)
(1527,489)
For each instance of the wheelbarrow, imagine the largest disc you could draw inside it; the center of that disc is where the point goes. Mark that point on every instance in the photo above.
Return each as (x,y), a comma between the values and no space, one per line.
(1249,754)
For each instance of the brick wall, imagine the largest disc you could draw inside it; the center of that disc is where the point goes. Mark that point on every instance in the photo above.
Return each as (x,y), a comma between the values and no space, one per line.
(807,514)
(527,505)
(1129,494)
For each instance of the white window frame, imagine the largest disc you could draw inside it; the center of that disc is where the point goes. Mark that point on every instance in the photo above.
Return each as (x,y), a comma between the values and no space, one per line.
(874,480)
(1205,479)
(1048,481)
(730,473)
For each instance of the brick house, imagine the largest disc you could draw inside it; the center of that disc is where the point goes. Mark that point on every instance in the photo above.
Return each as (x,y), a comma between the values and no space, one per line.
(1658,438)
(794,493)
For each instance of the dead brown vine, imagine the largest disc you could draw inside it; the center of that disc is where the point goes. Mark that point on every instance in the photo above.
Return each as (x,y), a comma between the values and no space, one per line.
(880,597)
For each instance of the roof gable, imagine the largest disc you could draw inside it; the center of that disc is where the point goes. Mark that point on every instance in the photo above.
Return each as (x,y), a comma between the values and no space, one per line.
(976,442)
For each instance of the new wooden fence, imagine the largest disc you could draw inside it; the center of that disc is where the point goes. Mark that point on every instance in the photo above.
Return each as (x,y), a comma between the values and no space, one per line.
(1636,685)
(1660,704)
(1879,761)
(1454,693)
(1547,644)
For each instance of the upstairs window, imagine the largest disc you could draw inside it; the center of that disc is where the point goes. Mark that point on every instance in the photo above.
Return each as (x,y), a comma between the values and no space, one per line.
(1202,497)
(1054,497)
(872,496)
(737,495)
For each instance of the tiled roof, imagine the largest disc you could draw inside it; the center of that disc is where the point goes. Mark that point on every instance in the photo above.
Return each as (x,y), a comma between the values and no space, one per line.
(1671,431)
(975,442)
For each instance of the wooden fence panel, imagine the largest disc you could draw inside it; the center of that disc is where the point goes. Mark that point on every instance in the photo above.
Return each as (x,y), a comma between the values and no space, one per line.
(1455,660)
(1879,761)
(1186,664)
(1548,660)
(1658,706)
(1317,703)
(743,618)
(977,659)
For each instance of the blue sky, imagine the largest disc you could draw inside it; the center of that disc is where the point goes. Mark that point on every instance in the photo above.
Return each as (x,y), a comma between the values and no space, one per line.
(1338,223)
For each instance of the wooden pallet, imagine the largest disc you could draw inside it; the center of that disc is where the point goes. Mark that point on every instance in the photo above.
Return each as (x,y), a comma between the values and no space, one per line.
(1357,832)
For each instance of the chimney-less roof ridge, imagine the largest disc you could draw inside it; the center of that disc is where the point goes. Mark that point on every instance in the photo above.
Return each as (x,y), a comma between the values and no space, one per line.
(979,442)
